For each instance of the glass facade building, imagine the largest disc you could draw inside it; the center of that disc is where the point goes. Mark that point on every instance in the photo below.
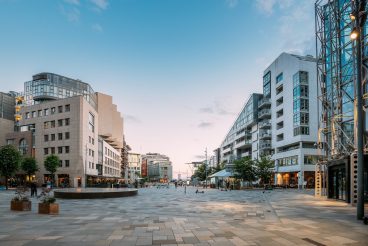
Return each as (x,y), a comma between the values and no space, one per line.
(49,86)
(337,74)
(7,106)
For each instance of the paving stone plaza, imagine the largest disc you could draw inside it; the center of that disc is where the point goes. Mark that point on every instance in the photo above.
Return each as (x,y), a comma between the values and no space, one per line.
(170,217)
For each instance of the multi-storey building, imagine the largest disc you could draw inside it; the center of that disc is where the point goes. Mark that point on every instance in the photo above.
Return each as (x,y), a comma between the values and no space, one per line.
(281,123)
(159,167)
(7,111)
(242,138)
(134,166)
(66,118)
(337,78)
(291,83)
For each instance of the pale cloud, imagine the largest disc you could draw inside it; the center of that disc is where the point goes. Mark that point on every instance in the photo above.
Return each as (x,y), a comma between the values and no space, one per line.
(232,3)
(131,118)
(296,23)
(74,2)
(218,107)
(97,28)
(205,124)
(100,4)
(208,110)
(72,14)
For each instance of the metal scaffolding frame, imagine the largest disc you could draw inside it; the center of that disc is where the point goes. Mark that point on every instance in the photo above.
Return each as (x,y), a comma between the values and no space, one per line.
(336,78)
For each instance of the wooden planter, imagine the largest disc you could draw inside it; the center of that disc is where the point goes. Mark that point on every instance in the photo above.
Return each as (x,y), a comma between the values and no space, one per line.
(21,205)
(48,208)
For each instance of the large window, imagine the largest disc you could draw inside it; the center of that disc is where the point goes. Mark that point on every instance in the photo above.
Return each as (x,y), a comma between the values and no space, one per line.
(267,84)
(301,103)
(279,78)
(91,122)
(23,146)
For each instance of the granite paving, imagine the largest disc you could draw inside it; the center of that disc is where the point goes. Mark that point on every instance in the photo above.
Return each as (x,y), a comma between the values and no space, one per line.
(172,217)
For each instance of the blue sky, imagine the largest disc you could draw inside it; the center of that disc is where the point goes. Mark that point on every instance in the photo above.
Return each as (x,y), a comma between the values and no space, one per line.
(179,70)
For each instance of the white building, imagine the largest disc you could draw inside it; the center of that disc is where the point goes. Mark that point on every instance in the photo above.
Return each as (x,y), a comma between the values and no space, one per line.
(134,166)
(291,84)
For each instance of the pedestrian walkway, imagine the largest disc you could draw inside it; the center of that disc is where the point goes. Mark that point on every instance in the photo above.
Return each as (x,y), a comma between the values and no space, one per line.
(170,217)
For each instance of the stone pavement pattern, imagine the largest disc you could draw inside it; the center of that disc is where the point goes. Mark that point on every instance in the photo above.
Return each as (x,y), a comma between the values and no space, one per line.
(170,217)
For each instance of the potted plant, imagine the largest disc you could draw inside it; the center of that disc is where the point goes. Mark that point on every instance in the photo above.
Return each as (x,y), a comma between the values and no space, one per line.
(20,201)
(47,203)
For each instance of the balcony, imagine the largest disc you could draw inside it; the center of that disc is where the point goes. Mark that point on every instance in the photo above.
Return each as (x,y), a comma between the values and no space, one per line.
(265,125)
(264,113)
(243,144)
(264,102)
(265,146)
(265,136)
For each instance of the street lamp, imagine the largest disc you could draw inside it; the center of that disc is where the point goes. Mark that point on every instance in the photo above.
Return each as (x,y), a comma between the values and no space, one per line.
(359,21)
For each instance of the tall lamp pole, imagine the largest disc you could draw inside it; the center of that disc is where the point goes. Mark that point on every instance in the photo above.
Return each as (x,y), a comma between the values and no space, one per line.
(359,16)
(205,166)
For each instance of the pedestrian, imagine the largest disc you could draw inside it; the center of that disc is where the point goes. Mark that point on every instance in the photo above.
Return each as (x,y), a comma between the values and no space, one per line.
(176,184)
(33,189)
(227,184)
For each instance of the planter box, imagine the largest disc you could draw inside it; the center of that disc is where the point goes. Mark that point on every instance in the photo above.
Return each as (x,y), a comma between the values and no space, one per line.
(48,208)
(21,205)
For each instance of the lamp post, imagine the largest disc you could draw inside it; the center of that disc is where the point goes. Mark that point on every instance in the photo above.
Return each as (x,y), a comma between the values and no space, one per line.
(205,167)
(359,17)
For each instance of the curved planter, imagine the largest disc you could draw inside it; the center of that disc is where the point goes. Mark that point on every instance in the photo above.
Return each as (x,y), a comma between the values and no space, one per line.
(21,205)
(48,208)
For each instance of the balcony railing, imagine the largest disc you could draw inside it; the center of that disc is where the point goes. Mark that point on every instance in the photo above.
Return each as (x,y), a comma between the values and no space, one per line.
(265,124)
(243,143)
(264,102)
(265,135)
(265,146)
(264,113)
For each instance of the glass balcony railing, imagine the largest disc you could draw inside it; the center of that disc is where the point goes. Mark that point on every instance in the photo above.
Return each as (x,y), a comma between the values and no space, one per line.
(264,113)
(264,102)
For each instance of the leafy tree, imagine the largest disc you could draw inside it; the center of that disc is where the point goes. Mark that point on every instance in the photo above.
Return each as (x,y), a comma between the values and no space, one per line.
(244,169)
(264,169)
(51,164)
(200,173)
(218,167)
(10,159)
(29,166)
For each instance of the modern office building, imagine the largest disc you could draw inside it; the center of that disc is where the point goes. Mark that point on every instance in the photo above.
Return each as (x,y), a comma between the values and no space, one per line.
(159,167)
(242,138)
(84,130)
(290,83)
(337,77)
(134,166)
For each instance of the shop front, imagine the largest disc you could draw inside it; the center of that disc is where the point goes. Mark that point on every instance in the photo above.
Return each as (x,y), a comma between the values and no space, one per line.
(339,179)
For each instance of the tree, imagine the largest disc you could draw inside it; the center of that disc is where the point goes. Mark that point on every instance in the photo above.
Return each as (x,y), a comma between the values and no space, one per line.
(200,173)
(264,169)
(51,164)
(244,169)
(29,166)
(9,161)
(218,167)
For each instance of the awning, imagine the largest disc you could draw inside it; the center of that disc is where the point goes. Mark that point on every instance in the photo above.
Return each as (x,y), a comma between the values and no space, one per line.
(222,174)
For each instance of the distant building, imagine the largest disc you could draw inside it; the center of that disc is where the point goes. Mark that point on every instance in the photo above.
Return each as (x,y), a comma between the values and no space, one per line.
(134,166)
(159,167)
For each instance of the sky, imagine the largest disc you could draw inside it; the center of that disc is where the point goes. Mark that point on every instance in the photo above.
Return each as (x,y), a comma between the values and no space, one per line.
(180,71)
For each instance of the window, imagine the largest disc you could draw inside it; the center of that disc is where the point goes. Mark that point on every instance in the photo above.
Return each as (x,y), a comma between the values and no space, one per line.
(60,122)
(93,141)
(67,135)
(66,149)
(28,115)
(53,110)
(280,113)
(39,113)
(67,121)
(60,163)
(9,141)
(60,136)
(23,146)
(60,150)
(60,109)
(279,89)
(301,130)
(280,137)
(267,84)
(52,150)
(34,115)
(46,138)
(66,163)
(279,101)
(52,124)
(279,78)
(45,151)
(91,122)
(89,139)
(67,108)
(52,137)
(45,125)
(46,112)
